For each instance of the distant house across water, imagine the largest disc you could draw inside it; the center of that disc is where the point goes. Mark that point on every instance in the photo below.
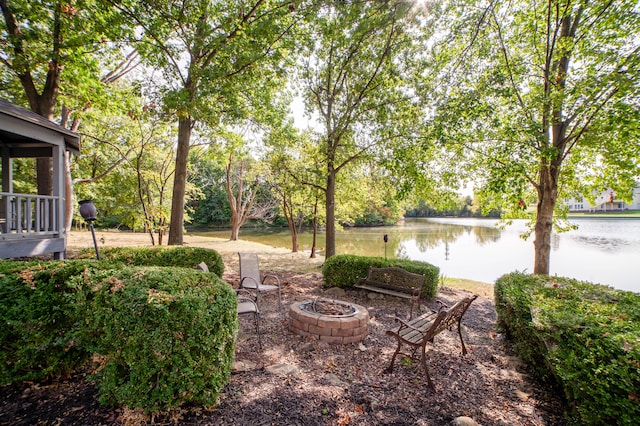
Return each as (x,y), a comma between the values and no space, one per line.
(604,202)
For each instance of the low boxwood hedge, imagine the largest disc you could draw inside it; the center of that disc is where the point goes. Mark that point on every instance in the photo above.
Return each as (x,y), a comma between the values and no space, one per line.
(186,257)
(583,337)
(346,270)
(39,321)
(167,335)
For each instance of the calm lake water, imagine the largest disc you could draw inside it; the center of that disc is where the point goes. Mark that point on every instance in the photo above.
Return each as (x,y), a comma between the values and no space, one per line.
(601,250)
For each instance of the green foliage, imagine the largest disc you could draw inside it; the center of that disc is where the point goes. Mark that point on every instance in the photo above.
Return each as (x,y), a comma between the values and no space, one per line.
(74,36)
(185,257)
(346,270)
(135,194)
(233,75)
(368,45)
(37,336)
(211,208)
(167,334)
(537,137)
(462,207)
(583,336)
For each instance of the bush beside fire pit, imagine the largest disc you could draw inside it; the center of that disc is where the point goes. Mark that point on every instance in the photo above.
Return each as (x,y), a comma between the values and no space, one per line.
(347,270)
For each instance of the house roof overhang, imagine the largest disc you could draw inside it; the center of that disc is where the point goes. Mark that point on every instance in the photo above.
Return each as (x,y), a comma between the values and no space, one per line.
(28,134)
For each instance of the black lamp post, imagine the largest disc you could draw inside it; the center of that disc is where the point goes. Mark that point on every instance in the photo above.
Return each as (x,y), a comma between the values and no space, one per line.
(88,212)
(386,240)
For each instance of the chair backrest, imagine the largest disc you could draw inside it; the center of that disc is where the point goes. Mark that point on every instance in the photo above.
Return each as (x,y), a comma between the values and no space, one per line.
(447,318)
(249,269)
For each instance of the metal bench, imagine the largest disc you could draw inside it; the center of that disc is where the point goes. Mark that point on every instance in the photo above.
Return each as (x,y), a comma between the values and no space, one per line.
(417,332)
(394,282)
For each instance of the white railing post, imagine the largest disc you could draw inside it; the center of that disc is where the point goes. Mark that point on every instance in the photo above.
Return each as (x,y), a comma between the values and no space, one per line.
(27,214)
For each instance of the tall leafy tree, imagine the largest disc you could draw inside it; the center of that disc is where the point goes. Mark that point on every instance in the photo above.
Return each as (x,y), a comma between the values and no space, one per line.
(294,164)
(128,167)
(220,60)
(241,193)
(56,49)
(543,97)
(154,166)
(351,76)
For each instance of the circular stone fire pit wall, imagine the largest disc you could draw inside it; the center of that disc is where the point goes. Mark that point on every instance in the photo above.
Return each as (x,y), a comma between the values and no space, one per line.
(351,328)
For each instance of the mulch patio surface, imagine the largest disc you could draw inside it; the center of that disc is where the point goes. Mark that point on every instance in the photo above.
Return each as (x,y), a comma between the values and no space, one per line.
(298,380)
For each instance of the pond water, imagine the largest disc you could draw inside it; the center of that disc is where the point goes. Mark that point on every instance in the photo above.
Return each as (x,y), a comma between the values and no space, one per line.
(601,250)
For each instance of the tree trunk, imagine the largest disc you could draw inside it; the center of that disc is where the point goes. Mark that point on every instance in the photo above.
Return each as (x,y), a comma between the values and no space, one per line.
(294,241)
(44,106)
(543,230)
(43,176)
(287,210)
(151,237)
(68,192)
(547,198)
(330,247)
(240,204)
(176,233)
(315,229)
(555,126)
(235,229)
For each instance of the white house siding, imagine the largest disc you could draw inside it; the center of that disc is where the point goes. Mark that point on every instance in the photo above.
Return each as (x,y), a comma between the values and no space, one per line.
(636,199)
(606,201)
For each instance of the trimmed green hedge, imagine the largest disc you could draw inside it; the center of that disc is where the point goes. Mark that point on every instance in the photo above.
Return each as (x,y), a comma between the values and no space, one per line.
(346,270)
(583,337)
(186,257)
(167,334)
(39,321)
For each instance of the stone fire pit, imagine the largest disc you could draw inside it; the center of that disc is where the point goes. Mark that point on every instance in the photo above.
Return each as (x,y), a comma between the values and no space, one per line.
(332,321)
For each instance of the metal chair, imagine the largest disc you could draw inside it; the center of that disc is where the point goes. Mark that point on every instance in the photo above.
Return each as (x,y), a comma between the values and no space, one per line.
(246,304)
(250,277)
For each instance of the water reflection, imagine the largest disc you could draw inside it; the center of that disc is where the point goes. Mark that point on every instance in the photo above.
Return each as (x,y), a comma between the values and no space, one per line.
(611,245)
(600,250)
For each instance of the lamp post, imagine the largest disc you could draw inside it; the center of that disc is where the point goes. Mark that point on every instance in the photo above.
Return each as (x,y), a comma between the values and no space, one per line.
(88,212)
(386,240)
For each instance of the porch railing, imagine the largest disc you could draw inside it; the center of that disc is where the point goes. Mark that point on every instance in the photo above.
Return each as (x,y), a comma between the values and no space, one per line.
(26,215)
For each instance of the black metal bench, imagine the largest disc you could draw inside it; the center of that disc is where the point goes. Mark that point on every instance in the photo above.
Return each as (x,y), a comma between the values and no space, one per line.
(417,332)
(394,282)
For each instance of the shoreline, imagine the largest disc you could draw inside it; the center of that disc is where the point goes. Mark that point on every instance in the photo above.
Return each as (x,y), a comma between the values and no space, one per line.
(271,257)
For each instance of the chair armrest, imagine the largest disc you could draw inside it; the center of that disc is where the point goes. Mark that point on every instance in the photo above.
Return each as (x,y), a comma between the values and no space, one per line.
(248,300)
(404,324)
(442,305)
(244,294)
(250,279)
(240,291)
(271,276)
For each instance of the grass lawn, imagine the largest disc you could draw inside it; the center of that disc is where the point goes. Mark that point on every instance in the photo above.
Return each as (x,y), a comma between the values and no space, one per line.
(624,214)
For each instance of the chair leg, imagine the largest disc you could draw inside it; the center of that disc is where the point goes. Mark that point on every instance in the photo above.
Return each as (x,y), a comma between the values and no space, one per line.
(389,369)
(423,360)
(256,318)
(279,299)
(464,349)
